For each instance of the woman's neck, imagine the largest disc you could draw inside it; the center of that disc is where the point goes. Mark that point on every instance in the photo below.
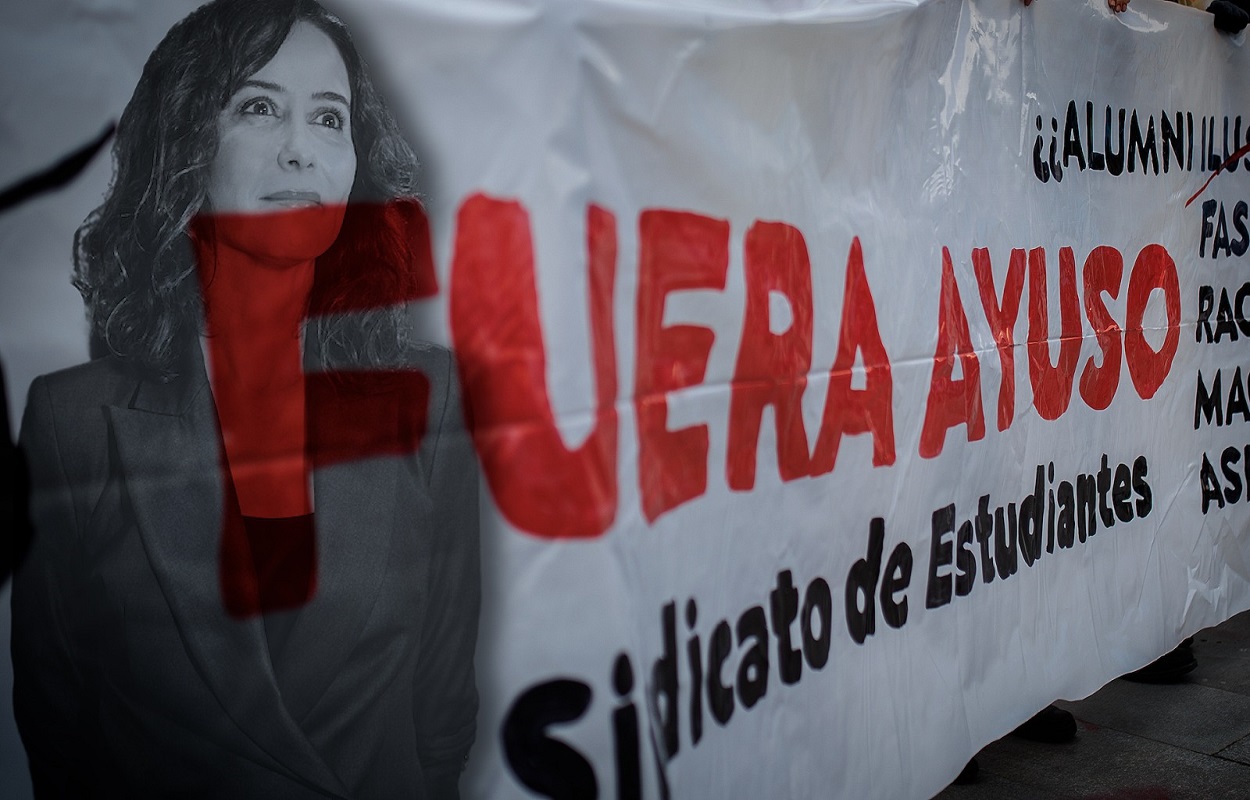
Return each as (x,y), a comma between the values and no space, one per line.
(250,303)
(254,312)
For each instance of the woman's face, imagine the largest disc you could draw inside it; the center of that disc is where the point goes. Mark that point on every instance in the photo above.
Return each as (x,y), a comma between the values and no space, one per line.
(285,143)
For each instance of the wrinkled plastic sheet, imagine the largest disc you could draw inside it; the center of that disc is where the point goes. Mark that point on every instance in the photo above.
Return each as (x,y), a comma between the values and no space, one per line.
(850,380)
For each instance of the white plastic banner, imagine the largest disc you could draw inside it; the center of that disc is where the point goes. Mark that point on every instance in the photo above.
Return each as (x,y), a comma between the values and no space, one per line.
(848,381)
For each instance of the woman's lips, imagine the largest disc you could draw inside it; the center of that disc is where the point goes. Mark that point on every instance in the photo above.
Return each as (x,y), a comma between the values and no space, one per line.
(292,199)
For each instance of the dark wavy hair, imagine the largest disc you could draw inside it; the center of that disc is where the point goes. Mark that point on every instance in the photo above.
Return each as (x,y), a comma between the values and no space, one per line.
(134,261)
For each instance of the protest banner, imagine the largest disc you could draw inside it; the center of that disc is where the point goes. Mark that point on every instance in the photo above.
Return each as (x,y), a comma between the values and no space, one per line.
(848,381)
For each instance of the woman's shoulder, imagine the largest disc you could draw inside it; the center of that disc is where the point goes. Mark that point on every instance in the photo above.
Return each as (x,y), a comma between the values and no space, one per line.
(65,421)
(92,383)
(76,400)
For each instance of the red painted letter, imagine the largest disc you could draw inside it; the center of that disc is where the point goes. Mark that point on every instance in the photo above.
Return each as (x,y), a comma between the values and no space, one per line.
(772,368)
(1002,319)
(539,484)
(1052,385)
(1104,267)
(952,402)
(677,251)
(308,420)
(1154,269)
(854,411)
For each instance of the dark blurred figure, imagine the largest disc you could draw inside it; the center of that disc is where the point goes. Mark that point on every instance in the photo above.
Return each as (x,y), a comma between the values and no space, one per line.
(1171,667)
(14,492)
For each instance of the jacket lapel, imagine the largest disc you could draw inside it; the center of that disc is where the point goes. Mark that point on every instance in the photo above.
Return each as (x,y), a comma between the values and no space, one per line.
(355,497)
(167,442)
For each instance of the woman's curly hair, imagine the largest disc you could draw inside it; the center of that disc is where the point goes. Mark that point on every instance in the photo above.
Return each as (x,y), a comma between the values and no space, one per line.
(134,261)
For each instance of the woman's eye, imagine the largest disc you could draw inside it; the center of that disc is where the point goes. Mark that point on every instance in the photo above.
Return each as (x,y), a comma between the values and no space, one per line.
(330,119)
(261,107)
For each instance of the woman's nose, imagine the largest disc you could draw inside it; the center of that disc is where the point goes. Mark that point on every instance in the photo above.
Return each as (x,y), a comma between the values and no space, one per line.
(295,150)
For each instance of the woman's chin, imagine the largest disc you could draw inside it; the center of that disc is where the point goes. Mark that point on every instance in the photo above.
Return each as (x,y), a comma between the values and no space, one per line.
(282,235)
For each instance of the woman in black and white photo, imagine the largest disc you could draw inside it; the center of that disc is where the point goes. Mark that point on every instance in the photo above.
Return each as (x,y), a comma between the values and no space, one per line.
(254,565)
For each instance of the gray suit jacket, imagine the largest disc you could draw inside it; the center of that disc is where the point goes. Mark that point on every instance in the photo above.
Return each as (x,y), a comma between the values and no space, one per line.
(131,679)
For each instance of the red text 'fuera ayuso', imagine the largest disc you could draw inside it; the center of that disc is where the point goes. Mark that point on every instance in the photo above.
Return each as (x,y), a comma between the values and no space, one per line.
(551,490)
